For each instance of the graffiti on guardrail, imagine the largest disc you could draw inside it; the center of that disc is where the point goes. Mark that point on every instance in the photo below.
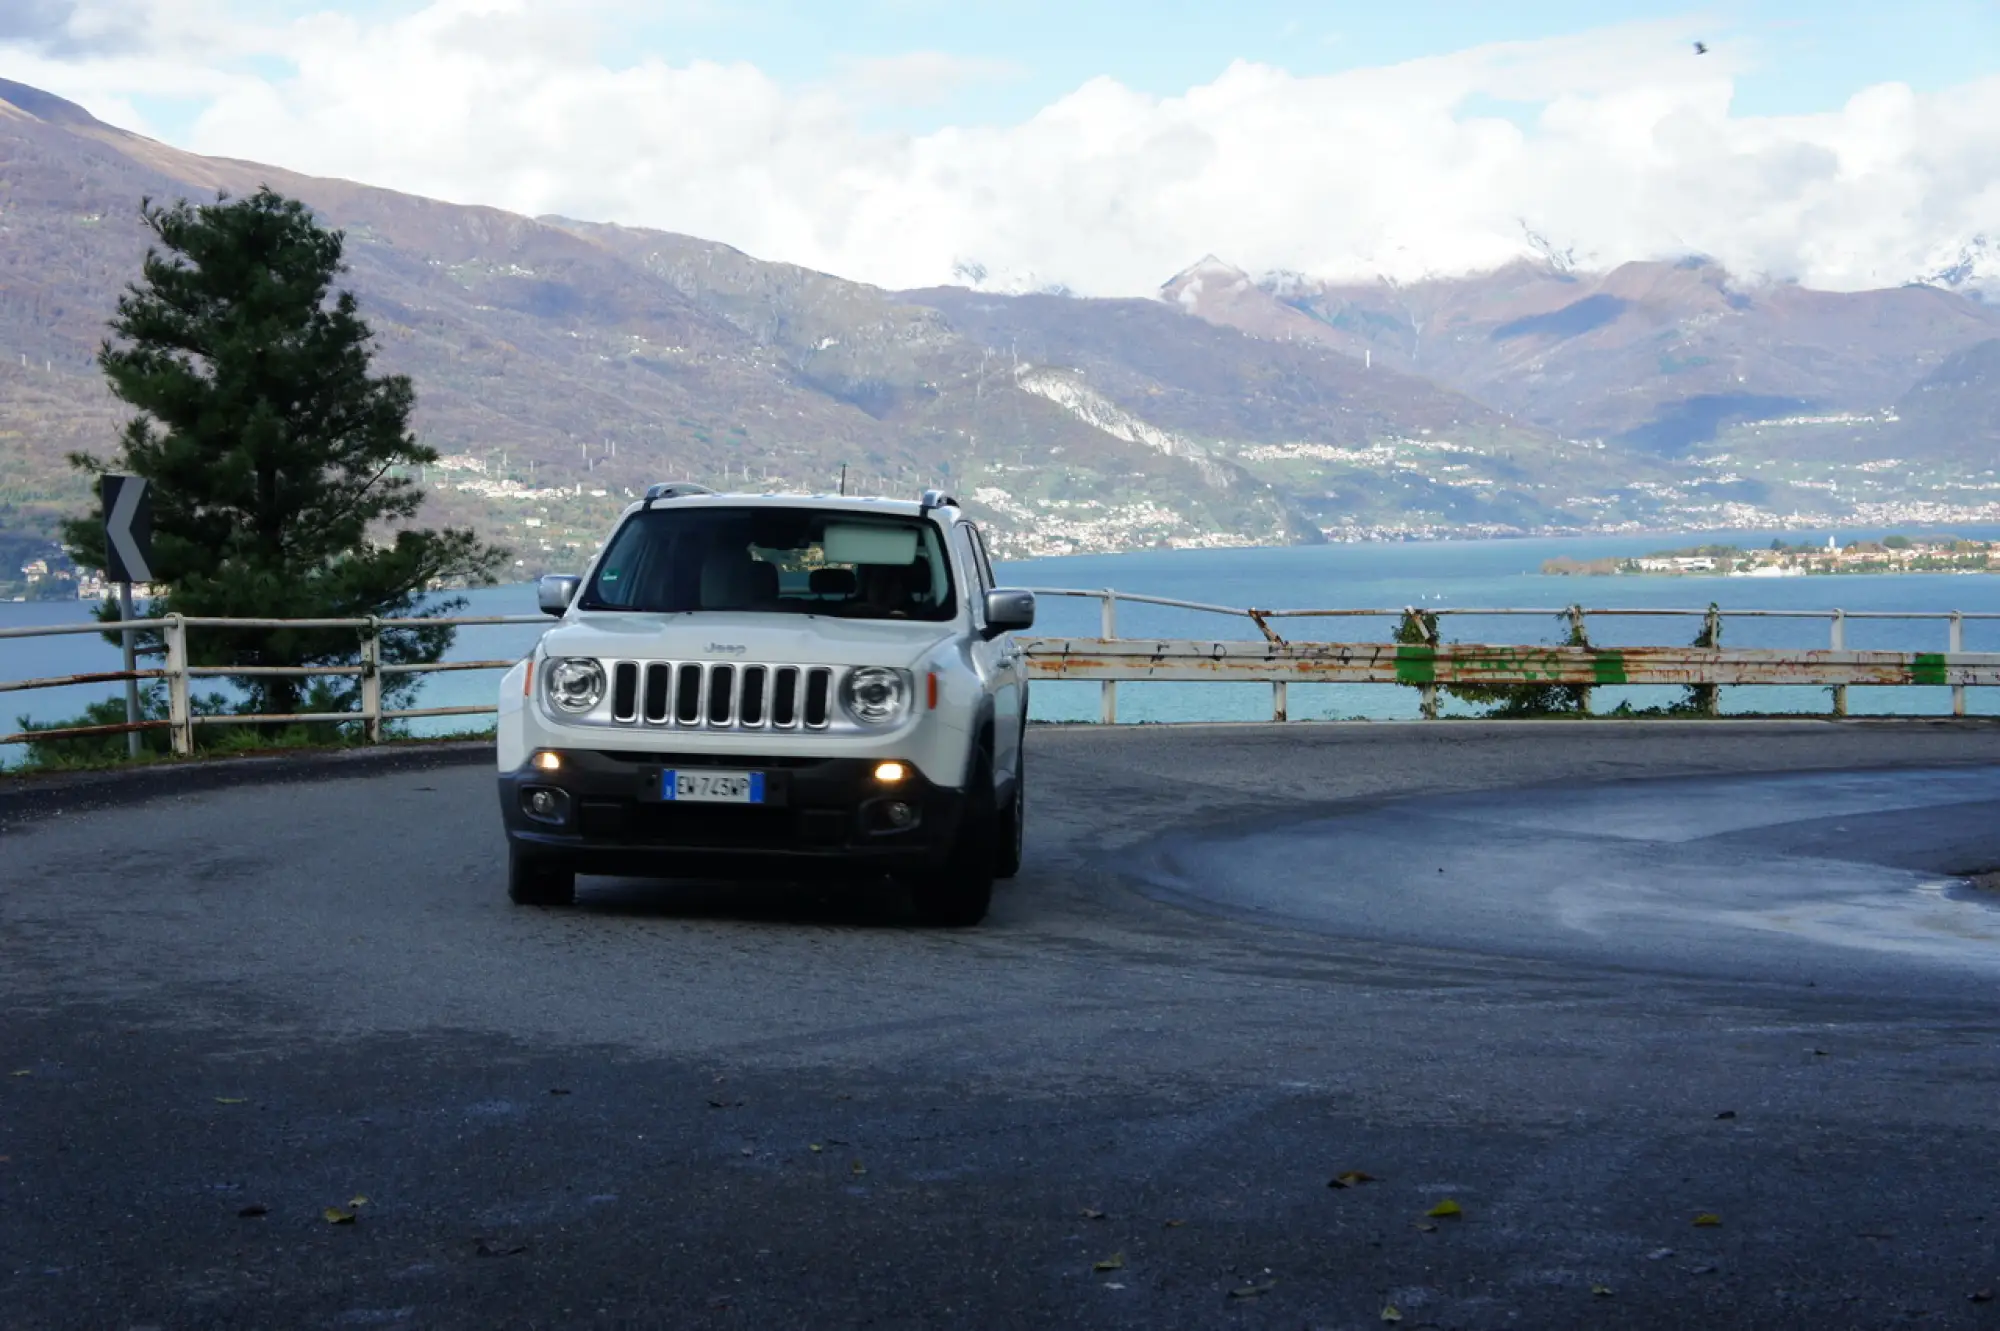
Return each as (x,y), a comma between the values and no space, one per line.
(1130,659)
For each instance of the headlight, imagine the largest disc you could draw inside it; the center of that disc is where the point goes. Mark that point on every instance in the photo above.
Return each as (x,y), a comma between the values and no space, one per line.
(573,684)
(874,695)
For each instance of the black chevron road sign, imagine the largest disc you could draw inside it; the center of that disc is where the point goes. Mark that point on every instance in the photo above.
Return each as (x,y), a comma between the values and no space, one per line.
(128,528)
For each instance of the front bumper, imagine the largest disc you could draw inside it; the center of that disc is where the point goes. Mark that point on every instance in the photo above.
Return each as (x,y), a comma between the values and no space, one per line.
(819,814)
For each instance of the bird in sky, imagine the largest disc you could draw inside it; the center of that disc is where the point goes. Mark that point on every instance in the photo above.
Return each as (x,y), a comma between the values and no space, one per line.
(1701,48)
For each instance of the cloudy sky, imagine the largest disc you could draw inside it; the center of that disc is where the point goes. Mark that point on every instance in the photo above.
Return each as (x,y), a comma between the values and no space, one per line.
(1104,144)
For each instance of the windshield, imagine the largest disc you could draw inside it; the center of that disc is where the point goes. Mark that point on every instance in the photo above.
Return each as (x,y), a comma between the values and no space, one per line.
(779,560)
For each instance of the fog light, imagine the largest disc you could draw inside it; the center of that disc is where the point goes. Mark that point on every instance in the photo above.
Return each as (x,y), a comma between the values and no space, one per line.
(545,804)
(890,773)
(898,813)
(548,762)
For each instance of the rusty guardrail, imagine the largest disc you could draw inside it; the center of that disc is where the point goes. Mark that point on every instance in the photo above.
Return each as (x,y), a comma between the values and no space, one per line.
(1111,659)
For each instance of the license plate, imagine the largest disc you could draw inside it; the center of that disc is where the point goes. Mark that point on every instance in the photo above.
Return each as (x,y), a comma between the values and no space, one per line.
(712,787)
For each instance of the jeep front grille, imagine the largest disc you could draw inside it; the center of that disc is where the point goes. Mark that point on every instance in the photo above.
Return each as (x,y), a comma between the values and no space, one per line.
(721,695)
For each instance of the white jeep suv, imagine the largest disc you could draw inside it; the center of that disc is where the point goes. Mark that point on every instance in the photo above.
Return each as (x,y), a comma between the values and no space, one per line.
(802,684)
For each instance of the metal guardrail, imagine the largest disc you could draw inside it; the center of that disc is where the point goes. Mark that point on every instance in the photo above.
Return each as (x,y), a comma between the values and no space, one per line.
(1428,667)
(1111,659)
(181,720)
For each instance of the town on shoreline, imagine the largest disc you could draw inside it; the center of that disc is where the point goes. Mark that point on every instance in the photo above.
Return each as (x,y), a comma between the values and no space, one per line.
(1891,554)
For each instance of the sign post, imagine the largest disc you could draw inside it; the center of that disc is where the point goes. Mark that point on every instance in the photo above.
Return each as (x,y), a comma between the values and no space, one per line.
(128,558)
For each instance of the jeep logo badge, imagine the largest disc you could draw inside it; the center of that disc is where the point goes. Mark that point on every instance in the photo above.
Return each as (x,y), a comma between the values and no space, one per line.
(728,648)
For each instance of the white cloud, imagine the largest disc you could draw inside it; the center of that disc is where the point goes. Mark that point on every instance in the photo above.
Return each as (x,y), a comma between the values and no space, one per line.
(1631,150)
(921,78)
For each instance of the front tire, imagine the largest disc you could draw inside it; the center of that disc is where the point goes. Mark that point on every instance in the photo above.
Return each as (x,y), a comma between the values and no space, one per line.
(1011,834)
(958,893)
(539,882)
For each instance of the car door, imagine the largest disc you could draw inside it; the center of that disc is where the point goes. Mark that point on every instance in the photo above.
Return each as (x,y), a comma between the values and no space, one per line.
(1002,665)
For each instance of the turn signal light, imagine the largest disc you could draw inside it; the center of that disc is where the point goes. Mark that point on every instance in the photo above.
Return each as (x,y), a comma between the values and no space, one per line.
(890,773)
(932,677)
(548,762)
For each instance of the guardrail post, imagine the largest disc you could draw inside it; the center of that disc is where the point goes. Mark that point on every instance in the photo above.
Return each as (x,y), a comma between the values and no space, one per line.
(1712,636)
(1427,694)
(134,741)
(1279,709)
(1579,636)
(180,730)
(1839,645)
(371,680)
(1956,644)
(1108,626)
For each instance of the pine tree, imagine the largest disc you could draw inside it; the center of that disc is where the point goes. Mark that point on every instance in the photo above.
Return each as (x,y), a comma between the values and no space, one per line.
(276,458)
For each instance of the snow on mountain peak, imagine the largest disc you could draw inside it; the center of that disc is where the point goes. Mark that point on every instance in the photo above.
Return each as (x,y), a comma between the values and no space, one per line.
(1974,269)
(1005,281)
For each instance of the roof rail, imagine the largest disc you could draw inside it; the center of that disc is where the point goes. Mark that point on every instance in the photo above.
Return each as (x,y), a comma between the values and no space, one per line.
(936,499)
(675,490)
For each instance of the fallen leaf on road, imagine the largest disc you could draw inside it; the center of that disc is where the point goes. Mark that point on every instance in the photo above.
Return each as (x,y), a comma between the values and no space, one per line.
(1252,1291)
(485,1249)
(1091,1213)
(1601,1291)
(1447,1207)
(1113,1284)
(231,1100)
(1427,1227)
(1708,1219)
(1820,1052)
(1390,1314)
(22,1072)
(1727,1113)
(1981,1296)
(815,1148)
(858,1169)
(335,1216)
(1171,1224)
(1115,1262)
(252,1211)
(1658,1253)
(725,1104)
(1353,1178)
(558,1090)
(357,1201)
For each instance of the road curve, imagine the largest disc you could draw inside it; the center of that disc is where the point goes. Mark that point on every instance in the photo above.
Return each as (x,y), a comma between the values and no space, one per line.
(1230,971)
(1851,880)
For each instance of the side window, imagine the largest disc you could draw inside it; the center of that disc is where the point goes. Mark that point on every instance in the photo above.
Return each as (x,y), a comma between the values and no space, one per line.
(986,579)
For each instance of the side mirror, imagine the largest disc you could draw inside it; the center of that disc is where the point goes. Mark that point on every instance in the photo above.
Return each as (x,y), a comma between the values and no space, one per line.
(555,591)
(1009,609)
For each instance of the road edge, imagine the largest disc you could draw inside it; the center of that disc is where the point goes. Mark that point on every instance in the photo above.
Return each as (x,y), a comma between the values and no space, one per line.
(42,794)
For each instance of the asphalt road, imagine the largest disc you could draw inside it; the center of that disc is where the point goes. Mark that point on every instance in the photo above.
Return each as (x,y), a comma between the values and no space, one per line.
(1240,961)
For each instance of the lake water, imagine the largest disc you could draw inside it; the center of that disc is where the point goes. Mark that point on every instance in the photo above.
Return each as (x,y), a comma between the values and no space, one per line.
(1434,575)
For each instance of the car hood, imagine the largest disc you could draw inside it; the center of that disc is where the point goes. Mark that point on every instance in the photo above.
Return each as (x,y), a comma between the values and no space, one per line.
(782,639)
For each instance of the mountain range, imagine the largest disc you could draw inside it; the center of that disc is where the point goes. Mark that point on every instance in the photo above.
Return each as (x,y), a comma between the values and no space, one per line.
(561,364)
